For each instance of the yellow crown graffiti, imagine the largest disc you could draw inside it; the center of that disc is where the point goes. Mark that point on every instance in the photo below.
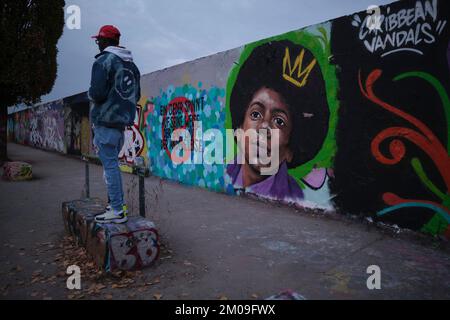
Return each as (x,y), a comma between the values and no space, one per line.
(302,75)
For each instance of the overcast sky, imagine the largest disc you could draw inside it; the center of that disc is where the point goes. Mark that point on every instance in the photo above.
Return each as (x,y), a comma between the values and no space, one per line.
(164,33)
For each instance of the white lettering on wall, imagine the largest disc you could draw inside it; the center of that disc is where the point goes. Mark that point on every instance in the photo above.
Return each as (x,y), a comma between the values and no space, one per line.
(403,30)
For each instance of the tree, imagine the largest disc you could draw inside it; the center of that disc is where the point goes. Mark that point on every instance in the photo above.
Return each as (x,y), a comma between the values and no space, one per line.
(29,30)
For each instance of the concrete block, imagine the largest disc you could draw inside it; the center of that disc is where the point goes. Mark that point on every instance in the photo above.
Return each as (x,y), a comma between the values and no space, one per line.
(78,215)
(129,246)
(17,171)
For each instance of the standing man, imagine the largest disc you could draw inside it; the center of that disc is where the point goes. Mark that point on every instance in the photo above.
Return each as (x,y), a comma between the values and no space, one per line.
(114,93)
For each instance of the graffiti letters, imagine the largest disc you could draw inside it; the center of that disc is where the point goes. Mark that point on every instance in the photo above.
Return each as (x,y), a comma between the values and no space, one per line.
(180,113)
(135,249)
(403,30)
(133,140)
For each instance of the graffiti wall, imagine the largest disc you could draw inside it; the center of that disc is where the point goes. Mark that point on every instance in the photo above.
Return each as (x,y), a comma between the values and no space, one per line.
(135,144)
(392,160)
(10,129)
(361,104)
(177,98)
(76,124)
(72,130)
(41,127)
(287,83)
(211,96)
(4,132)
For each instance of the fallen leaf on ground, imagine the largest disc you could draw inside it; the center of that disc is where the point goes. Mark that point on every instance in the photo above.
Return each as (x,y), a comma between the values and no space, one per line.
(155,281)
(108,297)
(128,281)
(100,287)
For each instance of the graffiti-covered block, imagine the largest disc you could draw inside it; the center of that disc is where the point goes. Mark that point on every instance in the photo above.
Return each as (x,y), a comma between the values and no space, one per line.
(133,245)
(17,171)
(78,215)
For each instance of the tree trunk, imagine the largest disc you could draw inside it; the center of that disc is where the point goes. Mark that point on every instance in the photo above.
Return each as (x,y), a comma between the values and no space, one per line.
(3,133)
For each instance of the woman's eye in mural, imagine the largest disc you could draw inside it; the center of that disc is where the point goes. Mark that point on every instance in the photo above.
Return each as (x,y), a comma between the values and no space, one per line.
(255,115)
(279,122)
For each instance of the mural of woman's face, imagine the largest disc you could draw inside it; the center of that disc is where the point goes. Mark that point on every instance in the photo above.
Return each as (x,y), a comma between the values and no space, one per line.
(267,110)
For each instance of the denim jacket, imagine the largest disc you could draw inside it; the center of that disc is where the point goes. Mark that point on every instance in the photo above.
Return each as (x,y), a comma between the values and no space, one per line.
(115,89)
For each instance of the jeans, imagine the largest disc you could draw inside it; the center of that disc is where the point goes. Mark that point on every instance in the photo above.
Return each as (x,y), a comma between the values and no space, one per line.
(109,142)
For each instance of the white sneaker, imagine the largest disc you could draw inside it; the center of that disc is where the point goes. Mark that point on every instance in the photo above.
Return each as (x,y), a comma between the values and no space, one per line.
(111,216)
(124,207)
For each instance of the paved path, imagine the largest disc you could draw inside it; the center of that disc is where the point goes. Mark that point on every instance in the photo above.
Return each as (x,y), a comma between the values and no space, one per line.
(220,246)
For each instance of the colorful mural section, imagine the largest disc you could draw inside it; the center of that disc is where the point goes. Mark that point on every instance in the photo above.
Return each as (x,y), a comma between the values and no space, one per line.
(41,127)
(287,83)
(10,129)
(179,108)
(392,161)
(72,130)
(292,66)
(135,144)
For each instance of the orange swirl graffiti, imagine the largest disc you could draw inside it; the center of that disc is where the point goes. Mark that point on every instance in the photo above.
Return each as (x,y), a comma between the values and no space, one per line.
(424,138)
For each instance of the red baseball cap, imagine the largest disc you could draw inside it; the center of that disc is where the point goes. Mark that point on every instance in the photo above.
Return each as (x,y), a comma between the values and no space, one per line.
(109,32)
